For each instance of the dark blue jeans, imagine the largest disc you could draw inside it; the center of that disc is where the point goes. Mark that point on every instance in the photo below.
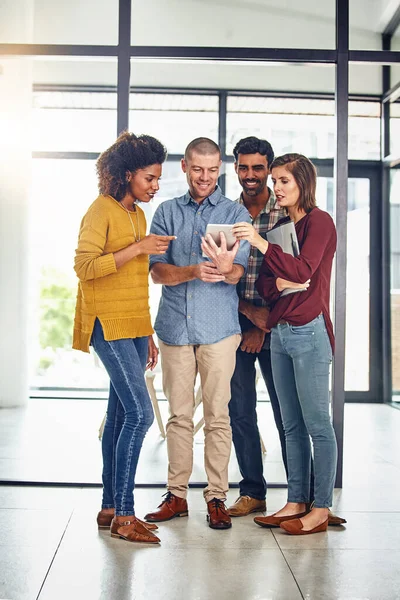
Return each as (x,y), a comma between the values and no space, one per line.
(301,357)
(242,410)
(129,416)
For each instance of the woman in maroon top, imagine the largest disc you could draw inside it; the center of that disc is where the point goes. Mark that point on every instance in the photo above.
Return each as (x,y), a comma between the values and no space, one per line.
(302,343)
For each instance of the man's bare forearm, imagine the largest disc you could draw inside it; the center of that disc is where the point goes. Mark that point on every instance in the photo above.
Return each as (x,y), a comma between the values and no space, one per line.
(258,315)
(172,275)
(245,308)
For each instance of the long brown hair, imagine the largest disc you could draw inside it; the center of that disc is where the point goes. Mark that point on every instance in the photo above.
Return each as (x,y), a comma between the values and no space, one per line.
(305,176)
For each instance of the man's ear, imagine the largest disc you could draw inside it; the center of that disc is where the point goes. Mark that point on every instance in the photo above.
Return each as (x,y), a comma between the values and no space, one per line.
(236,167)
(183,165)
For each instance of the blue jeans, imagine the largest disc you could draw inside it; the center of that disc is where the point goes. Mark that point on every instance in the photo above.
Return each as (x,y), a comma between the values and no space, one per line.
(301,358)
(129,416)
(242,410)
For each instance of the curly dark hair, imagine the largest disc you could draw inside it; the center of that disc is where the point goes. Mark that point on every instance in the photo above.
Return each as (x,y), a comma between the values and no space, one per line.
(305,176)
(253,145)
(129,152)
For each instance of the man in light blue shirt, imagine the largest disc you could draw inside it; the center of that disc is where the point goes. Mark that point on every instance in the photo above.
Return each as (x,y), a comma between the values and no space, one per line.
(198,328)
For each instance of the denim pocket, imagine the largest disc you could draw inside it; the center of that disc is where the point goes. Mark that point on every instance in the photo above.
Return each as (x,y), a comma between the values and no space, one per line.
(307,329)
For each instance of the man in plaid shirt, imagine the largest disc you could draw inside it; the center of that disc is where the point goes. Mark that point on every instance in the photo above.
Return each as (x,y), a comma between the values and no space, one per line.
(253,157)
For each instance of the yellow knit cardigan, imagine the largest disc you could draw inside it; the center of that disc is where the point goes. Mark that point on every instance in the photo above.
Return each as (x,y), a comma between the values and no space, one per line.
(118,298)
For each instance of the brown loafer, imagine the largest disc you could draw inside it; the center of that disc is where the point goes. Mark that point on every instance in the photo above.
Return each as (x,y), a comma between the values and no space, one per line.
(218,517)
(295,527)
(106,515)
(245,505)
(334,520)
(273,521)
(171,507)
(132,530)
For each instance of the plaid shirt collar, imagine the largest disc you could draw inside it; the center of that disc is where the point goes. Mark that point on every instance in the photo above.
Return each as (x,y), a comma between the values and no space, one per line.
(270,207)
(263,222)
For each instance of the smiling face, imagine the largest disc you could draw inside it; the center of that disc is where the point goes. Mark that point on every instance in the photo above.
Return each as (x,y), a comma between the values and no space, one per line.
(252,171)
(144,183)
(287,192)
(202,171)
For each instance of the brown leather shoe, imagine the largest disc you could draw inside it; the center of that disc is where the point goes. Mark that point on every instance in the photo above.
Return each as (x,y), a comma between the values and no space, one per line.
(218,517)
(131,529)
(104,518)
(171,507)
(334,520)
(245,505)
(106,515)
(273,521)
(295,527)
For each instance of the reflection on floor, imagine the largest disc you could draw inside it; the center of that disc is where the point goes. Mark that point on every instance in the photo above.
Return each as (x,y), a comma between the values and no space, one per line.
(50,548)
(57,440)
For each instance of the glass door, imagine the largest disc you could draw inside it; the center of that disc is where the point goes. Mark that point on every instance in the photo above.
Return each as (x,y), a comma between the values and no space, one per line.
(362,372)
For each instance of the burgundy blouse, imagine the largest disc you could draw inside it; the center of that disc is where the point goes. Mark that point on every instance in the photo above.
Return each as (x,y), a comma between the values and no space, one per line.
(316,234)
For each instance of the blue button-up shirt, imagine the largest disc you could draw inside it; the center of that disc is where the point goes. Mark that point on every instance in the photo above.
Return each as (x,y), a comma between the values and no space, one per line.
(196,312)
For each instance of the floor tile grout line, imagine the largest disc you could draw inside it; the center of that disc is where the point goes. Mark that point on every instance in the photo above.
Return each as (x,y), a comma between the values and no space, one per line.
(286,561)
(55,554)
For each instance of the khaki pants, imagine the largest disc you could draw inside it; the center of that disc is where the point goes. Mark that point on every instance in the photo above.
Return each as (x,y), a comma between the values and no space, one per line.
(180,364)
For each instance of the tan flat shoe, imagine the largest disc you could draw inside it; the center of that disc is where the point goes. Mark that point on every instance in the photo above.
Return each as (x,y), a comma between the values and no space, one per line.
(273,521)
(295,527)
(132,530)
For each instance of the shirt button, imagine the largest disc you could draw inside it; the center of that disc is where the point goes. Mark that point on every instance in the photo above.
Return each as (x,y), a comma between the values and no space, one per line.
(189,317)
(193,253)
(190,295)
(196,233)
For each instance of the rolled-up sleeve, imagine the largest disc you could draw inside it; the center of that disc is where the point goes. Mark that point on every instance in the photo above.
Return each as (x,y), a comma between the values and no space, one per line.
(159,227)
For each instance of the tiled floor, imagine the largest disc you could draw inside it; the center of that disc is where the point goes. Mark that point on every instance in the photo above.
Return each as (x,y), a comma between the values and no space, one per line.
(50,548)
(57,441)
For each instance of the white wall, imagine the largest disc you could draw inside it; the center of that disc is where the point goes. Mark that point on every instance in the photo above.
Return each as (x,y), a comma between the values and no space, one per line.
(15,160)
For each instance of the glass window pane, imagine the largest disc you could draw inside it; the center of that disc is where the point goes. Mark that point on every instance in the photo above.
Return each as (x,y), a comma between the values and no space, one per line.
(395,279)
(358,278)
(304,126)
(395,69)
(74,121)
(56,211)
(175,119)
(232,75)
(72,22)
(65,119)
(366,23)
(273,24)
(395,130)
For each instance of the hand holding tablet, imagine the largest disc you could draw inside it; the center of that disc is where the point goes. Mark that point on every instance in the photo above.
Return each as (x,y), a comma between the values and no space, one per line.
(214,229)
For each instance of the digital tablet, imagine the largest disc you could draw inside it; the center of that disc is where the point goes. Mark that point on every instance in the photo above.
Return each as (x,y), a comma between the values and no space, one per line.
(214,230)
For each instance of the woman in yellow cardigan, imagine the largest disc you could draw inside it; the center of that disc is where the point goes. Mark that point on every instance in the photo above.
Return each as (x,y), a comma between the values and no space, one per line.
(112,314)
